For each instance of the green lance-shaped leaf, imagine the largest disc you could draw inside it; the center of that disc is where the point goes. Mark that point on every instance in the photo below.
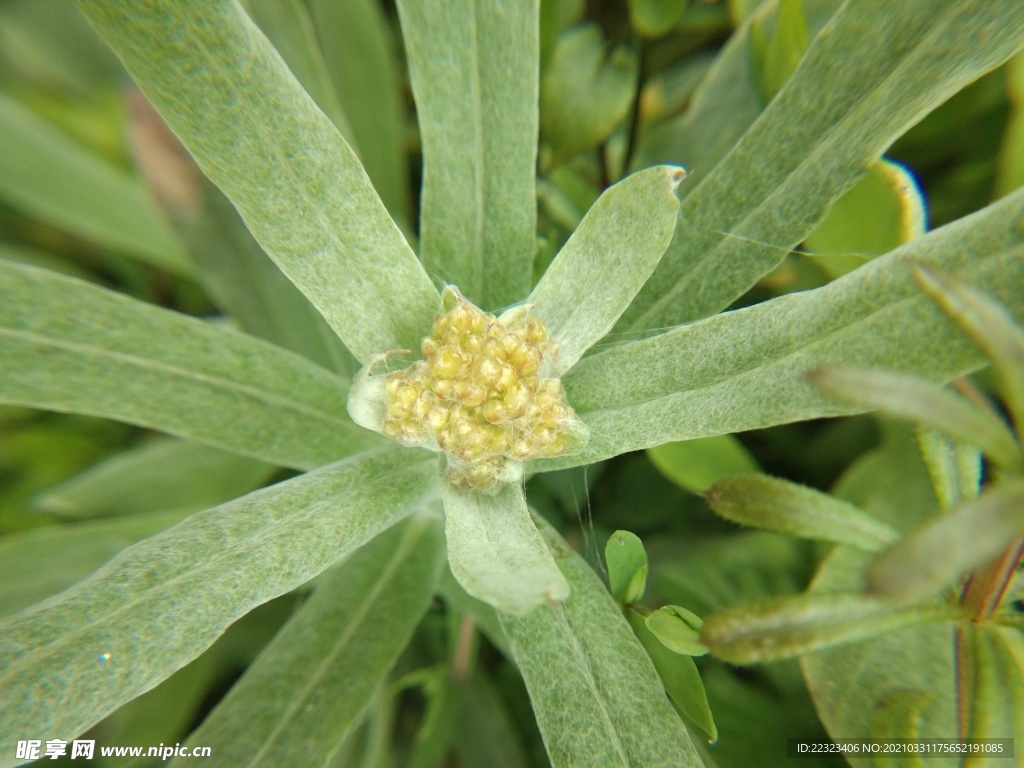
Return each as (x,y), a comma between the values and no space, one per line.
(40,562)
(70,346)
(990,326)
(254,131)
(78,657)
(942,550)
(597,698)
(909,397)
(474,70)
(746,369)
(46,174)
(627,567)
(162,474)
(789,627)
(585,92)
(495,551)
(875,69)
(694,465)
(624,233)
(321,670)
(778,505)
(678,674)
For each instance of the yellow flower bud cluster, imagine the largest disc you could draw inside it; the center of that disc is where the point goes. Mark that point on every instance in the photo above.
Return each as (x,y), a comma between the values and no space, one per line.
(478,396)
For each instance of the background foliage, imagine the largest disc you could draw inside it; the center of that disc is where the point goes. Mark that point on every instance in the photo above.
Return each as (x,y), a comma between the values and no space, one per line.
(817,165)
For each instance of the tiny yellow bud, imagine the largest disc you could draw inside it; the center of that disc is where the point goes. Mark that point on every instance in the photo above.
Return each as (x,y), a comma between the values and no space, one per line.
(470,392)
(487,371)
(494,411)
(445,362)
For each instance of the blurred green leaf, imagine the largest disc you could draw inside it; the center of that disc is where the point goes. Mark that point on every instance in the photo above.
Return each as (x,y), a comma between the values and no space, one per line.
(655,18)
(230,265)
(784,507)
(795,626)
(320,671)
(71,346)
(776,56)
(993,661)
(745,369)
(990,326)
(891,482)
(880,212)
(586,91)
(256,133)
(96,642)
(850,682)
(936,554)
(627,567)
(487,736)
(1010,167)
(718,573)
(899,717)
(359,49)
(677,629)
(41,562)
(626,231)
(912,398)
(47,175)
(694,465)
(485,616)
(162,474)
(679,675)
(474,76)
(495,551)
(874,70)
(954,468)
(596,696)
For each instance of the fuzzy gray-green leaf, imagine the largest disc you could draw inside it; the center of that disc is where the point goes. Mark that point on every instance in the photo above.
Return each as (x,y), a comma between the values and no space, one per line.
(44,173)
(624,233)
(875,69)
(928,404)
(255,132)
(474,73)
(794,626)
(132,624)
(790,508)
(495,550)
(70,346)
(317,676)
(991,327)
(746,369)
(595,693)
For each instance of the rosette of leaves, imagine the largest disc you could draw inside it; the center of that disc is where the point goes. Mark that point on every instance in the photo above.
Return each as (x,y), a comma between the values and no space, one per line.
(312,157)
